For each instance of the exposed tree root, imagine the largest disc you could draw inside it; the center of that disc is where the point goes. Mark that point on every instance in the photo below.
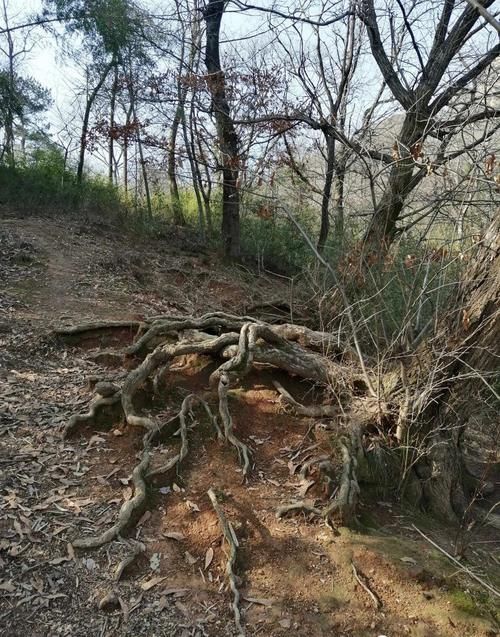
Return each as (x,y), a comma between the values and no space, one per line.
(343,506)
(298,507)
(89,418)
(312,411)
(232,540)
(129,511)
(227,421)
(136,549)
(98,326)
(187,405)
(361,579)
(239,343)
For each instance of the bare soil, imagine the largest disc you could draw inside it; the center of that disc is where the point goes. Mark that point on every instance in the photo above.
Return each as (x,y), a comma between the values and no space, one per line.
(296,575)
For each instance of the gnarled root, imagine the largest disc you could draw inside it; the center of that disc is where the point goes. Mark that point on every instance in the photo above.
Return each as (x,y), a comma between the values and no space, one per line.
(343,506)
(298,507)
(186,408)
(227,421)
(312,411)
(129,511)
(90,417)
(232,540)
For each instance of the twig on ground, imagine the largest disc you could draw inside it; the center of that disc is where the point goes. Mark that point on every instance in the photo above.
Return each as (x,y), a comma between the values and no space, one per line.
(359,578)
(457,563)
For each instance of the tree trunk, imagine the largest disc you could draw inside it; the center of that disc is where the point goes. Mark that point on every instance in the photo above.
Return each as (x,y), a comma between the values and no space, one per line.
(172,175)
(338,199)
(464,391)
(402,181)
(86,118)
(111,153)
(226,132)
(327,191)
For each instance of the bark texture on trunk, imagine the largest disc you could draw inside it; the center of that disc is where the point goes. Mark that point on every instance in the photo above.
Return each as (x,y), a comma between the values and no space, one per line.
(463,398)
(226,132)
(86,119)
(327,192)
(403,178)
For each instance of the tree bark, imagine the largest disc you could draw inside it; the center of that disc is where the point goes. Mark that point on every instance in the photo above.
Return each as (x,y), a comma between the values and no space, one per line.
(226,132)
(86,118)
(403,178)
(466,375)
(327,191)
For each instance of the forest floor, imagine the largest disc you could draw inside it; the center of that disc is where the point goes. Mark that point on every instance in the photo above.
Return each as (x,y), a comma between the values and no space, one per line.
(296,575)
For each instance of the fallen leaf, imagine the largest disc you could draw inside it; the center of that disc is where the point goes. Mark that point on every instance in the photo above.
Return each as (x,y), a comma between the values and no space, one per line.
(190,559)
(154,581)
(95,440)
(173,535)
(259,600)
(7,586)
(192,506)
(209,556)
(89,563)
(285,623)
(154,562)
(408,560)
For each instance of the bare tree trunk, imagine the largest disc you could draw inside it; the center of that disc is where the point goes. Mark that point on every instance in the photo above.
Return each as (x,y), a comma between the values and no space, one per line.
(86,118)
(125,149)
(464,371)
(338,198)
(327,191)
(142,159)
(8,149)
(171,168)
(111,154)
(226,132)
(402,180)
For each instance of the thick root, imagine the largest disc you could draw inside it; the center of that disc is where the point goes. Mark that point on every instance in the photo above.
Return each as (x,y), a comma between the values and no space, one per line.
(245,343)
(343,506)
(187,405)
(298,507)
(129,511)
(89,418)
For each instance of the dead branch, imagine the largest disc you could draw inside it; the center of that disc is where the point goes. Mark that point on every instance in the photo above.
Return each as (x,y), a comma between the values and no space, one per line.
(461,566)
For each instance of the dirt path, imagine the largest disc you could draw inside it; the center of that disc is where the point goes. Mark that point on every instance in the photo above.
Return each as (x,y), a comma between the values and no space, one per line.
(296,575)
